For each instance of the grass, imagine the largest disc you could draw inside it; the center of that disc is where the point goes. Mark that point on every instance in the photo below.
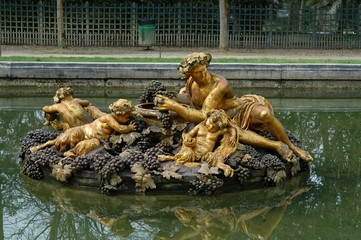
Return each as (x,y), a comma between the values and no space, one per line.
(171,60)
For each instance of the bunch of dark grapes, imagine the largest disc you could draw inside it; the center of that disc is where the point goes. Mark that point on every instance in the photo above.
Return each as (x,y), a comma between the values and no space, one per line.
(134,157)
(151,158)
(116,147)
(32,170)
(243,174)
(150,91)
(293,138)
(139,121)
(165,119)
(234,161)
(34,162)
(145,142)
(115,165)
(99,161)
(165,147)
(81,162)
(34,138)
(206,186)
(272,161)
(253,152)
(164,115)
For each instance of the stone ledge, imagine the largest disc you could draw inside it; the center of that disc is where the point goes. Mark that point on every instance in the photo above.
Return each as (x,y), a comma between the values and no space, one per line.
(129,74)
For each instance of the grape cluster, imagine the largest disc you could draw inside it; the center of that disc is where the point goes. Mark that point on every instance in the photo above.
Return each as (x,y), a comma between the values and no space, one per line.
(272,161)
(164,115)
(165,119)
(293,138)
(33,170)
(115,165)
(34,162)
(80,163)
(165,147)
(253,152)
(234,161)
(134,157)
(206,186)
(166,93)
(100,160)
(151,158)
(265,161)
(116,147)
(139,121)
(34,138)
(243,174)
(145,142)
(150,91)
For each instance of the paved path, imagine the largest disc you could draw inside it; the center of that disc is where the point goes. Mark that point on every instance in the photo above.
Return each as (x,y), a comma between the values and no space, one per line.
(12,50)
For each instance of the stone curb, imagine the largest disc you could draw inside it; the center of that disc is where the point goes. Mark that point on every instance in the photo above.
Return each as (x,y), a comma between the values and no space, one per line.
(135,74)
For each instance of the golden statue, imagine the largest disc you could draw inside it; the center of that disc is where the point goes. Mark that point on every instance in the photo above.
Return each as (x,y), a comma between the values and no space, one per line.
(69,111)
(205,91)
(201,143)
(83,139)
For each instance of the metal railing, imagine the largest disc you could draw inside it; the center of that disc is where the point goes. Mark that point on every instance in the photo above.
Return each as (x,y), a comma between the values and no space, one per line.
(190,24)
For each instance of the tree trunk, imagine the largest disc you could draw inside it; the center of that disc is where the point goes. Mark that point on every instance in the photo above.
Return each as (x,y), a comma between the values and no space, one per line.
(60,23)
(223,28)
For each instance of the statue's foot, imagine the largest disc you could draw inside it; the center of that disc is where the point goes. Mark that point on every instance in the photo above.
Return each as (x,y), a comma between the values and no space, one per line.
(285,152)
(69,154)
(303,155)
(33,149)
(190,164)
(163,158)
(228,171)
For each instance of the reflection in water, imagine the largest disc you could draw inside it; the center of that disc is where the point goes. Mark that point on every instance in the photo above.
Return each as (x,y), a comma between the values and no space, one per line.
(330,210)
(256,215)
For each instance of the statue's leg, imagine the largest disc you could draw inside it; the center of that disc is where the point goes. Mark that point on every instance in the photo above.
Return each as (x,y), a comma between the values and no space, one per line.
(44,145)
(256,140)
(262,118)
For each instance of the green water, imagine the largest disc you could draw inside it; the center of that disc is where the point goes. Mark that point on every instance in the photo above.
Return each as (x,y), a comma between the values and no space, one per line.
(324,204)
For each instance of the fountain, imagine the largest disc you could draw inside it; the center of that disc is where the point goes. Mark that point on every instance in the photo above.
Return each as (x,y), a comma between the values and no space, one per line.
(201,140)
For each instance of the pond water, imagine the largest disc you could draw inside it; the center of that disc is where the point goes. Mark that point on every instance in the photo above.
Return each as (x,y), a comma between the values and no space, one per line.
(322,204)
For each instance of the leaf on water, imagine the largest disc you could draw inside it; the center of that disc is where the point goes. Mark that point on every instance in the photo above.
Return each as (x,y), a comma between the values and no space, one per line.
(170,171)
(204,169)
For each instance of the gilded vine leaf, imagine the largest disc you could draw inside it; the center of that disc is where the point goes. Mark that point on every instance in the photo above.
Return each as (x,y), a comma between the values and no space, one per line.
(143,180)
(206,170)
(170,171)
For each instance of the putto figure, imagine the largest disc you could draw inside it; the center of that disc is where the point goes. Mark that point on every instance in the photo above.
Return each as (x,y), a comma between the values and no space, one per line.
(83,139)
(213,140)
(68,112)
(205,91)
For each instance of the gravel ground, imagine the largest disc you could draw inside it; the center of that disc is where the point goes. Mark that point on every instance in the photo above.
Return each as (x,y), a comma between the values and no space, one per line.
(165,52)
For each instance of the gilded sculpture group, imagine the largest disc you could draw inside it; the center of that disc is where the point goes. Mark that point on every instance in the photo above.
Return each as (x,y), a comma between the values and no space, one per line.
(207,100)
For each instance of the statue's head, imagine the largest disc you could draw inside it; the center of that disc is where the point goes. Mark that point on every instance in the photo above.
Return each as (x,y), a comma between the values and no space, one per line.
(216,119)
(192,61)
(62,93)
(121,107)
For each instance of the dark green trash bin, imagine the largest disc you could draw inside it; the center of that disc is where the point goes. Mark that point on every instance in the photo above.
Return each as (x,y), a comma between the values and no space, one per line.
(146,33)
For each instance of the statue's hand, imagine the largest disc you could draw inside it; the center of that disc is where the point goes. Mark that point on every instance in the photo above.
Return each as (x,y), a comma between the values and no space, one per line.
(132,127)
(164,103)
